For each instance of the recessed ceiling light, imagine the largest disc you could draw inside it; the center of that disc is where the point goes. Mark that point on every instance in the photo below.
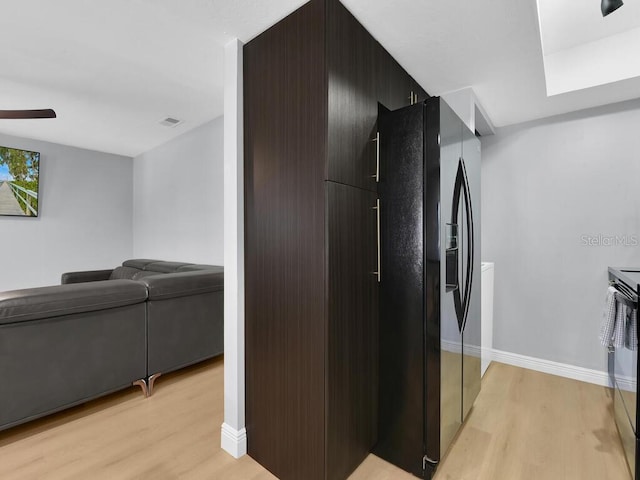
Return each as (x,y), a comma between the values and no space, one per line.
(170,122)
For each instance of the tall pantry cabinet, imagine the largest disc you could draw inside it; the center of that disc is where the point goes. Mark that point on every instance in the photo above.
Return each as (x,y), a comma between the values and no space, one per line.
(312,88)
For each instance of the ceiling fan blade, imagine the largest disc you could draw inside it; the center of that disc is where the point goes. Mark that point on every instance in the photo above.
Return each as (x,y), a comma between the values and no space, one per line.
(23,114)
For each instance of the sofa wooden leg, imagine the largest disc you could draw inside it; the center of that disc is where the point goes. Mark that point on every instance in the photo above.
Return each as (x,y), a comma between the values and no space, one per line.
(142,383)
(152,381)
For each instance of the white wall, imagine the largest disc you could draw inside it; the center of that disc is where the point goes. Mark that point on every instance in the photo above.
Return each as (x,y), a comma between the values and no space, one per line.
(178,198)
(545,185)
(84,217)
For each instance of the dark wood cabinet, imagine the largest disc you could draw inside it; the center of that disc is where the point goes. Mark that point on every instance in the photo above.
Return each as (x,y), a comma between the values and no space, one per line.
(361,74)
(312,84)
(393,83)
(352,334)
(352,100)
(285,309)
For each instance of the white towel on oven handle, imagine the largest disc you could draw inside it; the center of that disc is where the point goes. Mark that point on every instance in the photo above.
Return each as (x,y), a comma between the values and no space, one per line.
(608,318)
(620,330)
(631,333)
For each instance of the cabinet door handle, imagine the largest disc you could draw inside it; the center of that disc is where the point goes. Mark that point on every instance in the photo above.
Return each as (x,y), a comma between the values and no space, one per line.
(377,140)
(377,209)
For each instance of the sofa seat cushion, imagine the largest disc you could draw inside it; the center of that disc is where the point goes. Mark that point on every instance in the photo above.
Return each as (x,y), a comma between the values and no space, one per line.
(44,302)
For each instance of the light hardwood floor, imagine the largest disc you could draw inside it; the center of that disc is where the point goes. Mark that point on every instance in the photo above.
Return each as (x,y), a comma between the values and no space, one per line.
(525,425)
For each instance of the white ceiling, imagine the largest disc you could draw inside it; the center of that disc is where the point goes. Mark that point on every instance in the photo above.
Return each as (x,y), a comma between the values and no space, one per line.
(112,70)
(491,45)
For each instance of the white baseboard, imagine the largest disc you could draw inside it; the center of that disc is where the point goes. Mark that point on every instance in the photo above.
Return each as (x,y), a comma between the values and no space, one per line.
(588,375)
(452,347)
(456,347)
(627,383)
(486,356)
(565,370)
(233,441)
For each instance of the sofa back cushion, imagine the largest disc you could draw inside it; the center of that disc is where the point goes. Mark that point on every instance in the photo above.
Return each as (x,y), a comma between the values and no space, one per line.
(45,302)
(199,267)
(140,268)
(139,263)
(124,273)
(164,267)
(182,284)
(144,274)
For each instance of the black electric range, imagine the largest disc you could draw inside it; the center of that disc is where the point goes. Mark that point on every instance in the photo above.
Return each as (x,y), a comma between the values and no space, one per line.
(623,370)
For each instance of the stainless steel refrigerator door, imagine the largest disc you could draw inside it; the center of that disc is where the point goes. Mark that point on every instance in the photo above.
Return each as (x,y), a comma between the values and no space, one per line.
(460,272)
(450,274)
(471,334)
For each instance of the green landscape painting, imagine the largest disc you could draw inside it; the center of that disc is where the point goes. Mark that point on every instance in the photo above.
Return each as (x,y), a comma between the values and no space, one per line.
(19,181)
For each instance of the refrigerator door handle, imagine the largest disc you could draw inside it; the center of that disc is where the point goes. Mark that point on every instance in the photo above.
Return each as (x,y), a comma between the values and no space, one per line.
(462,295)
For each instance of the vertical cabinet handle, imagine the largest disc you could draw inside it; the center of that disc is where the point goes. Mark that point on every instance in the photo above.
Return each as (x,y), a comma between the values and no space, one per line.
(377,209)
(377,140)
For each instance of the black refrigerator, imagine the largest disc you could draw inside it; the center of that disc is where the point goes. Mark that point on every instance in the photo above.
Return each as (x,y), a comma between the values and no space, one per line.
(429,188)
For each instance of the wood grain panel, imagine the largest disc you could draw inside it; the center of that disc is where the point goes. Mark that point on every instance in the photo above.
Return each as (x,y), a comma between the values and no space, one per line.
(352,370)
(285,138)
(352,101)
(393,84)
(312,86)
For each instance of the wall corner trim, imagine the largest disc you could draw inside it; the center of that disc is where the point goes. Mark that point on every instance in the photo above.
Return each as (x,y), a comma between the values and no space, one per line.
(233,430)
(233,441)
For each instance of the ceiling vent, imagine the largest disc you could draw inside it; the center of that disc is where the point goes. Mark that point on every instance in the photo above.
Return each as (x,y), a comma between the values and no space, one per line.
(170,122)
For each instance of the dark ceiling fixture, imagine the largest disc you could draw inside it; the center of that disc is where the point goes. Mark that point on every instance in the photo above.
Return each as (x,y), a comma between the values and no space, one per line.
(24,114)
(610,6)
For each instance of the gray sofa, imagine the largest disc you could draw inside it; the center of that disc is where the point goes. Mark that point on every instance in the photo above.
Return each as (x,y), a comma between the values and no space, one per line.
(102,331)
